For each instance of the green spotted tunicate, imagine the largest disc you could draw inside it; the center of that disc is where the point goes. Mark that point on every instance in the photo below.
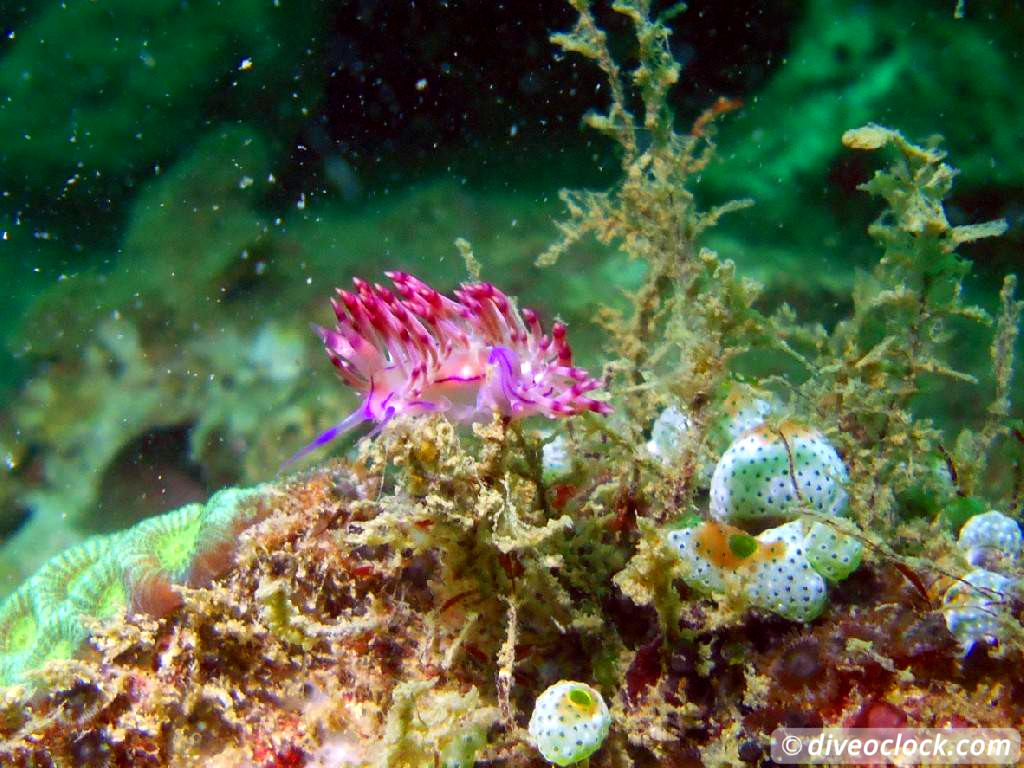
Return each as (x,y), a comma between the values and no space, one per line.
(569,723)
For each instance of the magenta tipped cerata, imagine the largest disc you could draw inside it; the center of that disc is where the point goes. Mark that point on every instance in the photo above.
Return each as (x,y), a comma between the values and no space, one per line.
(413,350)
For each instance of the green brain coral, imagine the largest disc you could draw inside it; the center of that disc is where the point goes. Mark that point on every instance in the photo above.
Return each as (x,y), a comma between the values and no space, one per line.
(163,546)
(68,577)
(18,625)
(44,619)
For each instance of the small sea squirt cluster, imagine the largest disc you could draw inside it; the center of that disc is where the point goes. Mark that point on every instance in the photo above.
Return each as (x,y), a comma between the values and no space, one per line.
(768,476)
(414,350)
(991,540)
(978,607)
(569,723)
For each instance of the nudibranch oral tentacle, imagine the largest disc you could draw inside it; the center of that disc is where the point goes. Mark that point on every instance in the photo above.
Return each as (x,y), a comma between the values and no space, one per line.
(413,350)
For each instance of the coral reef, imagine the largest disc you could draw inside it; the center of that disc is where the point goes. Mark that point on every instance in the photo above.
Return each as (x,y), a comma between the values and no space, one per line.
(412,607)
(412,603)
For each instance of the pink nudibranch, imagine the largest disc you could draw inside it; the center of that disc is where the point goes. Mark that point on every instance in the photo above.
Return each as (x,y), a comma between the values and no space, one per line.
(415,350)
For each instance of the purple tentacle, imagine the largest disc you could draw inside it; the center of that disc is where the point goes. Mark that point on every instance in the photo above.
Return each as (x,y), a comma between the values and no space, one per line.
(507,363)
(357,416)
